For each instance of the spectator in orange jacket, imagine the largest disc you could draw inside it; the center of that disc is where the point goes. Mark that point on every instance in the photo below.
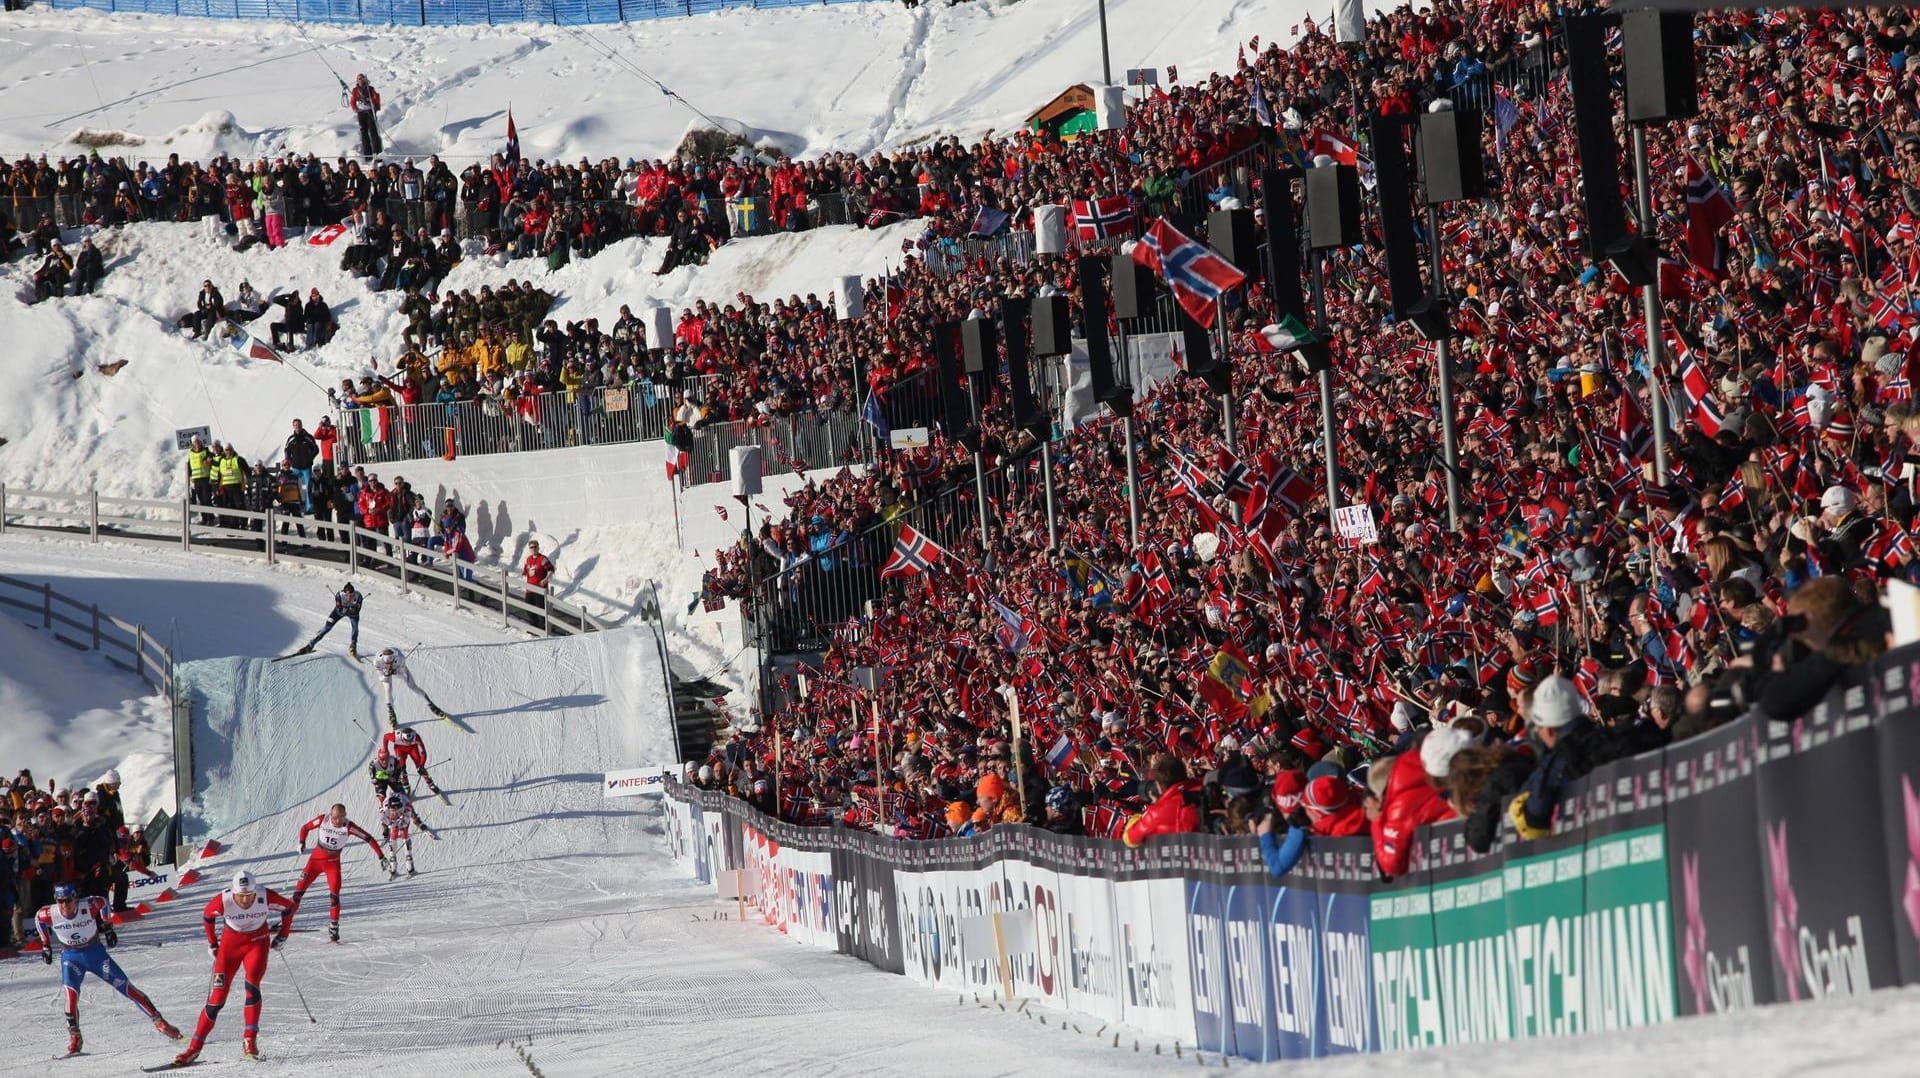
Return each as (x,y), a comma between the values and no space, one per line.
(1178,809)
(1409,802)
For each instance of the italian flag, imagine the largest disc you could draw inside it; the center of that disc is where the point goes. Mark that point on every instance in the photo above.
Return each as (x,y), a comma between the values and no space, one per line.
(376,425)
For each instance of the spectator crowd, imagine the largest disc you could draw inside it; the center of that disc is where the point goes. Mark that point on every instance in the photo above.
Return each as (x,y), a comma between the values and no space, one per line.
(74,835)
(1243,669)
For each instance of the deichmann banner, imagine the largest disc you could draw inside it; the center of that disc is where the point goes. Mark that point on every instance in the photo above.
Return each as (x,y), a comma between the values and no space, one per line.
(1747,866)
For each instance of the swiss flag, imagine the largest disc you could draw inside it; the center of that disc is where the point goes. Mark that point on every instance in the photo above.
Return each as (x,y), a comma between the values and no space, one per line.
(1342,149)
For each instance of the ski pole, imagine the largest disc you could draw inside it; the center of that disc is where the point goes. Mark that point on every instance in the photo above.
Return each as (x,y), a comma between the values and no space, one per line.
(302,996)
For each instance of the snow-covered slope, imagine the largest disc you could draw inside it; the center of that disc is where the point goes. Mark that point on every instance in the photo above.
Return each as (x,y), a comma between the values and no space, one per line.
(851,77)
(70,426)
(70,715)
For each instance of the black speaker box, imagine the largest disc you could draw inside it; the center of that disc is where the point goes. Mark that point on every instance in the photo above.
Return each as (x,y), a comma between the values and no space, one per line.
(1026,407)
(1052,326)
(1586,38)
(1393,194)
(978,346)
(1231,234)
(1333,207)
(1093,301)
(1133,286)
(1661,81)
(1283,244)
(956,407)
(1450,159)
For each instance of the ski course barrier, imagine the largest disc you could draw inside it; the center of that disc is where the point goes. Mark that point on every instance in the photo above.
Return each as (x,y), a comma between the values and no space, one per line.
(1756,864)
(437,12)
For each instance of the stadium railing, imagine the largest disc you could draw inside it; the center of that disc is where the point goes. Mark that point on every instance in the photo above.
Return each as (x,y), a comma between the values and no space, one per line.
(437,12)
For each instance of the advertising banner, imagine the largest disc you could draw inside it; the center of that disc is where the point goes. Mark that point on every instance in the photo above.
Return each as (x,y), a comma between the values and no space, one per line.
(865,908)
(635,782)
(1719,913)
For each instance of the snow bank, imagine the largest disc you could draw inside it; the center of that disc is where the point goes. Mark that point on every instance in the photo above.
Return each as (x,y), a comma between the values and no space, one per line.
(71,715)
(854,77)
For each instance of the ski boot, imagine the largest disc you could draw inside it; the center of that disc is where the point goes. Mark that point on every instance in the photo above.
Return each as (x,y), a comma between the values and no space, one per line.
(354,651)
(333,932)
(410,872)
(249,1046)
(431,833)
(167,1029)
(393,722)
(438,711)
(393,873)
(73,1041)
(191,1055)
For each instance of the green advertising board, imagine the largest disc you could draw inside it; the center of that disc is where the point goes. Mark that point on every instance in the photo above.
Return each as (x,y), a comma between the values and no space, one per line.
(1538,944)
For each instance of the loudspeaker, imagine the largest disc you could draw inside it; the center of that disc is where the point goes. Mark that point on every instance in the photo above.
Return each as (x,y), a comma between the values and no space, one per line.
(1196,344)
(1110,108)
(1586,37)
(1052,326)
(1026,407)
(1093,302)
(849,298)
(1049,230)
(1393,192)
(978,346)
(1132,289)
(1232,235)
(1283,244)
(956,407)
(1333,206)
(659,327)
(1661,81)
(746,471)
(1450,159)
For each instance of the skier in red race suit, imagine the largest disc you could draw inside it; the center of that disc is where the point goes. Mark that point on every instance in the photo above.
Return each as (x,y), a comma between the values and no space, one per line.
(243,912)
(336,831)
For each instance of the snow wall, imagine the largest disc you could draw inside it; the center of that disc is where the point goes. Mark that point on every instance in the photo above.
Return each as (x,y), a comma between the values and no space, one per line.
(275,742)
(1760,863)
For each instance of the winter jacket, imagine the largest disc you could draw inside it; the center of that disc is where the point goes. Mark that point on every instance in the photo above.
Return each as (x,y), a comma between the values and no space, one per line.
(1177,812)
(1489,806)
(300,450)
(1582,746)
(1410,803)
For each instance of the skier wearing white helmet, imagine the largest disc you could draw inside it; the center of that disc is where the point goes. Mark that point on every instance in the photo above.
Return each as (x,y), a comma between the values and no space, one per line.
(243,913)
(392,663)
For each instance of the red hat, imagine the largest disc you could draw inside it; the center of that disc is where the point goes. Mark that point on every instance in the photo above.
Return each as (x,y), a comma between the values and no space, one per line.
(1309,742)
(1287,788)
(1328,794)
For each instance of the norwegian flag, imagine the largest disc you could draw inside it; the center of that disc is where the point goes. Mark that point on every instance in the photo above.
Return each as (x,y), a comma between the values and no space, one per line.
(1633,439)
(1102,218)
(1190,476)
(1734,495)
(912,554)
(1693,382)
(1708,210)
(1197,276)
(1376,579)
(1289,490)
(1545,608)
(722,510)
(1156,572)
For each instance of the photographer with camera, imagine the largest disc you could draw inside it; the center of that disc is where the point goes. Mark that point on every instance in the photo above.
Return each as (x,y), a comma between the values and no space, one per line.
(1829,626)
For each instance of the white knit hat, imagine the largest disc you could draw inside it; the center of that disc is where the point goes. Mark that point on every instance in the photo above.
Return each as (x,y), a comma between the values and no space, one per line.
(1556,702)
(1438,748)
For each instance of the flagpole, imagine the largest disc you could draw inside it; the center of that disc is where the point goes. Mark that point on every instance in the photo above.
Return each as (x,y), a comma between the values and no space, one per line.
(1650,303)
(1326,394)
(1126,431)
(1449,436)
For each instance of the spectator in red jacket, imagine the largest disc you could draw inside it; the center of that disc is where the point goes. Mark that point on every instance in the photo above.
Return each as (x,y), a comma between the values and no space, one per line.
(375,504)
(1178,809)
(1409,802)
(1333,808)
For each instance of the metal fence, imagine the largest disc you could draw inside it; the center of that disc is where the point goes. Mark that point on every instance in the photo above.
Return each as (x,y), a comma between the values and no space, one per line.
(796,443)
(556,420)
(283,538)
(437,12)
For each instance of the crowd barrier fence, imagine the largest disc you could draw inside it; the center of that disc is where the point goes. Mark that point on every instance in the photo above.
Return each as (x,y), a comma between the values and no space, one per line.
(1758,863)
(438,12)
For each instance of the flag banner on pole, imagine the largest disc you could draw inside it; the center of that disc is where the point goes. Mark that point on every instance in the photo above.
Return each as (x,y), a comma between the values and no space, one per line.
(1101,218)
(1197,276)
(376,424)
(248,345)
(912,554)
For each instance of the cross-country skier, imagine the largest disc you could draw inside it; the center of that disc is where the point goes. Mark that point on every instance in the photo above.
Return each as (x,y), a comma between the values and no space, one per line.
(364,100)
(81,929)
(408,747)
(387,774)
(335,832)
(397,820)
(243,912)
(346,604)
(392,663)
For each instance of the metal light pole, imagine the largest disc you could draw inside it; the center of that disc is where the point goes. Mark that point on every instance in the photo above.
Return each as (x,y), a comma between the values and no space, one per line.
(1449,436)
(1326,393)
(1650,304)
(1133,485)
(979,470)
(1106,58)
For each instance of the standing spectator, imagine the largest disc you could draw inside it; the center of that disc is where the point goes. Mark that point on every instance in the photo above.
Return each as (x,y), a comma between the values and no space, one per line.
(1571,744)
(364,100)
(327,435)
(1178,809)
(107,791)
(299,453)
(201,463)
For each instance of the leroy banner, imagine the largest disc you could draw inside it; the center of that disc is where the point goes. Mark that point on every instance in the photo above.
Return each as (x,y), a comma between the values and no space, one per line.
(1752,864)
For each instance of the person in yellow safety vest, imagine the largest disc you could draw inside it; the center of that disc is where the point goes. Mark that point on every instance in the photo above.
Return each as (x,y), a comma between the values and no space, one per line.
(200,472)
(233,480)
